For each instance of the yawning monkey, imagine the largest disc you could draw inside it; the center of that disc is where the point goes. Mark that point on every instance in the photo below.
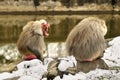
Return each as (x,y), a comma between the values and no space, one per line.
(31,41)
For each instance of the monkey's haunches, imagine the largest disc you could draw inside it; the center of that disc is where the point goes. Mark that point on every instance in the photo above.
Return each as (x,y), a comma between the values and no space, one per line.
(30,57)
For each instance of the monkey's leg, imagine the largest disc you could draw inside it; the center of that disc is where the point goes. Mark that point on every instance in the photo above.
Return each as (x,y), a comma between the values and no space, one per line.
(36,52)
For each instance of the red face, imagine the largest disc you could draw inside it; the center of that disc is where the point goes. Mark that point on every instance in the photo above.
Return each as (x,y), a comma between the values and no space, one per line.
(45,29)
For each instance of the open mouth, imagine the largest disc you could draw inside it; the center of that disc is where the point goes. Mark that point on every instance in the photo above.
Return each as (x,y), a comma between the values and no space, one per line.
(45,30)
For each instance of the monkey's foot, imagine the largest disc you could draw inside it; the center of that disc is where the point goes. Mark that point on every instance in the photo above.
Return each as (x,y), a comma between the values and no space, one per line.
(30,57)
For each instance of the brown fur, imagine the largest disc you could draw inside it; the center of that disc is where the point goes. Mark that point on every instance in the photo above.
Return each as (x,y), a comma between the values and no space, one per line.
(31,42)
(86,40)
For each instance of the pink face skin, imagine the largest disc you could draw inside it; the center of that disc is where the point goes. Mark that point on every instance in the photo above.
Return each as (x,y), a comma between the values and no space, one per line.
(45,29)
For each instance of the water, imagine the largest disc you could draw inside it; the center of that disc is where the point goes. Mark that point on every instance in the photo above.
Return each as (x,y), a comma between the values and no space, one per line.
(11,27)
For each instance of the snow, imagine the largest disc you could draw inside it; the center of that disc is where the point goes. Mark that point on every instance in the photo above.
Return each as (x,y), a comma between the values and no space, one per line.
(6,75)
(66,63)
(7,50)
(97,74)
(35,69)
(112,53)
(56,48)
(27,78)
(46,62)
(78,76)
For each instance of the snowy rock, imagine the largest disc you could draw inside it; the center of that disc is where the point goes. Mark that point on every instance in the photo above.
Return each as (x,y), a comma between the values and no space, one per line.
(35,69)
(9,52)
(78,76)
(32,68)
(29,64)
(65,63)
(6,75)
(112,53)
(61,66)
(28,78)
(46,62)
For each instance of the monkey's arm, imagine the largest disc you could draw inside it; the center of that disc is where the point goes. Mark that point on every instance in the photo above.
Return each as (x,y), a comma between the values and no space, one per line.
(33,44)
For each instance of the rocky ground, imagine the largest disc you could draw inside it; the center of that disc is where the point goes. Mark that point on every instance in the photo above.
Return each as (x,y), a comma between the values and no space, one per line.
(107,68)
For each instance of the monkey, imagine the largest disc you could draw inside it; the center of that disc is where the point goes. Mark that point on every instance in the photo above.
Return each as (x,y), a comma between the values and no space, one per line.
(31,40)
(86,40)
